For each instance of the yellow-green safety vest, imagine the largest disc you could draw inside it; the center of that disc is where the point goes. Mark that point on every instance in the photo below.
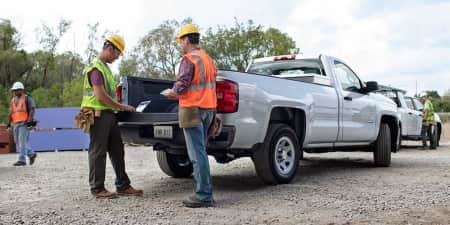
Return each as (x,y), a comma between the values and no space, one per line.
(89,98)
(430,116)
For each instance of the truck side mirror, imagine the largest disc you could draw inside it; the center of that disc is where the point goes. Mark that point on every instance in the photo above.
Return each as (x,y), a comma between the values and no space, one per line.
(371,86)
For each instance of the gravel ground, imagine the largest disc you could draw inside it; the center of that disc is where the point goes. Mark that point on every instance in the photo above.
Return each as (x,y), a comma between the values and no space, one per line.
(332,188)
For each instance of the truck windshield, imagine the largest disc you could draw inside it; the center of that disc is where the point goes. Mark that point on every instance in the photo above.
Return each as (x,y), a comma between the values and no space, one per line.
(288,67)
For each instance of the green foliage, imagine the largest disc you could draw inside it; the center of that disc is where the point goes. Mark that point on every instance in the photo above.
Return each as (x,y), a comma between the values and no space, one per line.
(48,97)
(14,63)
(5,96)
(73,92)
(55,80)
(235,47)
(9,37)
(433,94)
(157,53)
(49,38)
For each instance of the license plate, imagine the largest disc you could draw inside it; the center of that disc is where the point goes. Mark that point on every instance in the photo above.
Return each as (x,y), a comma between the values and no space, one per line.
(162,131)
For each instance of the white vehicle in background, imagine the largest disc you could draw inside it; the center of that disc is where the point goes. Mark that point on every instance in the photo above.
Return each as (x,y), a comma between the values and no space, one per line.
(410,114)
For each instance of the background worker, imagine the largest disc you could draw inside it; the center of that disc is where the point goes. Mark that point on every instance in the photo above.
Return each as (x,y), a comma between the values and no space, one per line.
(427,119)
(105,137)
(21,114)
(195,89)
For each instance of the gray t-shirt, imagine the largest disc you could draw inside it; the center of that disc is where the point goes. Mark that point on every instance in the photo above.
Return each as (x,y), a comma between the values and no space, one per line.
(29,101)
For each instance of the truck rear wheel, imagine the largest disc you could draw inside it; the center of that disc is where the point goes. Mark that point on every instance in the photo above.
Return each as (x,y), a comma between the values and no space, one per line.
(382,147)
(277,161)
(177,166)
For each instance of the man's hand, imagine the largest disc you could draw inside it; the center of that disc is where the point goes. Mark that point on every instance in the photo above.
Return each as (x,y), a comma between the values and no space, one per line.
(127,108)
(170,94)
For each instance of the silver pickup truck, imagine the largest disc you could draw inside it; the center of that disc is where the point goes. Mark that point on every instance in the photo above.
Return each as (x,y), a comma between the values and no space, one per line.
(281,107)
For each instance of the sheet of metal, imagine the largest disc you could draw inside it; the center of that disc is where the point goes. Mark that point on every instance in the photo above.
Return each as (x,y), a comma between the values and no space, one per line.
(58,140)
(56,117)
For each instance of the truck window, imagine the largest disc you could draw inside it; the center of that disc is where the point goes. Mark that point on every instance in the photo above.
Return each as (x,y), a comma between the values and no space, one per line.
(288,67)
(409,103)
(392,95)
(349,81)
(418,105)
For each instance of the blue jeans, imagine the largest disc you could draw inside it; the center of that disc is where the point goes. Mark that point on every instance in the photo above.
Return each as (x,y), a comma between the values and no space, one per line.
(196,140)
(21,135)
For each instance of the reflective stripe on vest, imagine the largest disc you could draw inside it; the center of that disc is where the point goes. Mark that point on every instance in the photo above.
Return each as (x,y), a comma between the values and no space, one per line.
(203,83)
(202,92)
(19,112)
(89,98)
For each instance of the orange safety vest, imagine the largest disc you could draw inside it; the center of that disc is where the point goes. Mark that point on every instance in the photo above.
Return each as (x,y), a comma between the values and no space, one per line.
(202,92)
(19,112)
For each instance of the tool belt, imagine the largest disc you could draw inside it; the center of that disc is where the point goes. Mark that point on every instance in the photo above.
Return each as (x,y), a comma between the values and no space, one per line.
(85,118)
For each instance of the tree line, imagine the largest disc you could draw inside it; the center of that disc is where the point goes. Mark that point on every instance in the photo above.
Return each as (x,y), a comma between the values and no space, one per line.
(54,79)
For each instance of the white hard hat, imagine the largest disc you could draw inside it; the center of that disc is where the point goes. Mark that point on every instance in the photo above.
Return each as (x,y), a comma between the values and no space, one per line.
(422,94)
(17,86)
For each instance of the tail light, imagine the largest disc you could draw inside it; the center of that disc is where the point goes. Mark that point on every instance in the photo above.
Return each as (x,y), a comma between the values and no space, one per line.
(119,93)
(227,96)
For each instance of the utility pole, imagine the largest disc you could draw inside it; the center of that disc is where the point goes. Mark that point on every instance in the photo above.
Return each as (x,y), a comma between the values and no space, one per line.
(416,87)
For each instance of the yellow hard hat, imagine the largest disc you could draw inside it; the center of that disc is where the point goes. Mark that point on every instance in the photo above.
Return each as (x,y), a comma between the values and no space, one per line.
(187,29)
(117,41)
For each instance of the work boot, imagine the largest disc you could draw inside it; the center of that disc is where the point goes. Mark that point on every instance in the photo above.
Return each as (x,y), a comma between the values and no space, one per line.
(32,158)
(130,191)
(20,163)
(193,202)
(105,194)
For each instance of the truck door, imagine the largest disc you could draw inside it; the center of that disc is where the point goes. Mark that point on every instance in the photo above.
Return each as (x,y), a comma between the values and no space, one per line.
(358,109)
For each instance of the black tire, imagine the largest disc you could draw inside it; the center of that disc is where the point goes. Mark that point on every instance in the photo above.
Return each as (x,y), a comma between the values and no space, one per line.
(282,168)
(177,166)
(399,139)
(382,147)
(438,132)
(433,136)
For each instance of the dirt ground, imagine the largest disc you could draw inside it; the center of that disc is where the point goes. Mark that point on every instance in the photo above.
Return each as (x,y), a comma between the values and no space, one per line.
(332,188)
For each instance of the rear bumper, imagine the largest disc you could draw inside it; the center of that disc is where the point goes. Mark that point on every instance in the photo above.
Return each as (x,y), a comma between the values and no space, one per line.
(139,133)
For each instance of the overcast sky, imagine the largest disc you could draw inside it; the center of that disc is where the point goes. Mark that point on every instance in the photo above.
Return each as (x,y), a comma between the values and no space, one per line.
(399,43)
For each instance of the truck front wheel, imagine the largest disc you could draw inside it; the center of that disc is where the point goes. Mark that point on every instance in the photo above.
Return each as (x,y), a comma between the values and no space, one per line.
(277,161)
(177,166)
(382,147)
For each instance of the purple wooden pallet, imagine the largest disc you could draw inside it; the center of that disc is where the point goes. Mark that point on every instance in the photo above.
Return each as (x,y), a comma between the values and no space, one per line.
(56,117)
(58,140)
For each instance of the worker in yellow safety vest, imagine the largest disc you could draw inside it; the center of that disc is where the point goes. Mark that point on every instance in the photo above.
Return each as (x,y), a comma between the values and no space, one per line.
(428,121)
(99,100)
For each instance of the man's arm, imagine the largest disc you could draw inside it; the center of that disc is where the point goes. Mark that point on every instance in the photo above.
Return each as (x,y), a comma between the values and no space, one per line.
(31,114)
(184,80)
(96,81)
(100,93)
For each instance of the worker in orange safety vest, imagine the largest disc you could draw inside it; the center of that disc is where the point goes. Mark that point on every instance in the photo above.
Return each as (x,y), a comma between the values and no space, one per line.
(21,114)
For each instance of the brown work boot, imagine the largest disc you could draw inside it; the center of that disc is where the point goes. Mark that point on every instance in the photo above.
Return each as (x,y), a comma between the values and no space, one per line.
(131,191)
(105,194)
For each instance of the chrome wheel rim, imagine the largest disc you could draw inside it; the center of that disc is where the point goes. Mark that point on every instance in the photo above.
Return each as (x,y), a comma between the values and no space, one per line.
(284,156)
